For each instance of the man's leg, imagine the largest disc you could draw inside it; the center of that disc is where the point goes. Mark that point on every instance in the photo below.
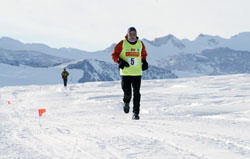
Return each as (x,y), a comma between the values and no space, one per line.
(126,87)
(65,82)
(136,83)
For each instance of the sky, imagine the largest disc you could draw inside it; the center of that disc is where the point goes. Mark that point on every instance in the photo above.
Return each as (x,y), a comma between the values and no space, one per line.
(95,24)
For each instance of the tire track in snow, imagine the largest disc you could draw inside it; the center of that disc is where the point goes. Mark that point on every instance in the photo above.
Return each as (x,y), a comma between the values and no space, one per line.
(226,144)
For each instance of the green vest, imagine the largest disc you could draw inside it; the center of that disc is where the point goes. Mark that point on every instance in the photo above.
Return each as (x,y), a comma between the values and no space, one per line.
(65,74)
(131,54)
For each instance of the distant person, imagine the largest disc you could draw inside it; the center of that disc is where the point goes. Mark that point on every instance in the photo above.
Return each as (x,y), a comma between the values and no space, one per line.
(131,54)
(65,75)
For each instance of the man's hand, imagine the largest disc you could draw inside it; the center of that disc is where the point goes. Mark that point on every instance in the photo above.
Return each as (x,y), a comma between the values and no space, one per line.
(122,63)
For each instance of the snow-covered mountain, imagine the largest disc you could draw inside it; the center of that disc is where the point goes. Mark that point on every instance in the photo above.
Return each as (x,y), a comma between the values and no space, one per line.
(158,48)
(70,53)
(205,55)
(210,62)
(30,58)
(167,46)
(189,118)
(95,70)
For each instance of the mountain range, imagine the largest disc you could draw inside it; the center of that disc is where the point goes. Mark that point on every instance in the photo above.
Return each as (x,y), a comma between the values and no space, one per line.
(168,56)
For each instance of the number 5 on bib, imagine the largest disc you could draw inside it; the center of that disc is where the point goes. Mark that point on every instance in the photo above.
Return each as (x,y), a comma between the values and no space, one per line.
(132,61)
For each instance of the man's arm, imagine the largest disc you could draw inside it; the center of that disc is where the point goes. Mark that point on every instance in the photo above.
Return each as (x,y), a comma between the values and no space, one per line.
(144,52)
(144,58)
(117,51)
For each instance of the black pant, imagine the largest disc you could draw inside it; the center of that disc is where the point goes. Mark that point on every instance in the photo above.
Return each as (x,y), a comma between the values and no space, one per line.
(135,82)
(65,82)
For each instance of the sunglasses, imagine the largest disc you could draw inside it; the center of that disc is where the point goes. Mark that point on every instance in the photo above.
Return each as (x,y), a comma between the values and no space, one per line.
(132,34)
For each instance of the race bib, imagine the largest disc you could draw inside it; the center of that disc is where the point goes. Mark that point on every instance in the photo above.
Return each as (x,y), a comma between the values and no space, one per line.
(132,61)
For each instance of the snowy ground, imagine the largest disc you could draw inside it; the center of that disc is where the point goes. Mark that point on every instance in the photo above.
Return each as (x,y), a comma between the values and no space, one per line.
(26,75)
(206,117)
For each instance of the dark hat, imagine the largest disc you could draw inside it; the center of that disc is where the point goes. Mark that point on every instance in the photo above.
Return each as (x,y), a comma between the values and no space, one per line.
(131,29)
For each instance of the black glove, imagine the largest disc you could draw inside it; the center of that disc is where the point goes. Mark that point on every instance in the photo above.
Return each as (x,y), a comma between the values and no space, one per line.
(122,63)
(144,64)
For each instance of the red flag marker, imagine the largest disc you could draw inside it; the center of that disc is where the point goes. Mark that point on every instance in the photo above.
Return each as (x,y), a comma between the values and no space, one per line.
(9,102)
(41,111)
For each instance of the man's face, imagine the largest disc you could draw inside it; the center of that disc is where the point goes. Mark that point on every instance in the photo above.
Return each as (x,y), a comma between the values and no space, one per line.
(132,35)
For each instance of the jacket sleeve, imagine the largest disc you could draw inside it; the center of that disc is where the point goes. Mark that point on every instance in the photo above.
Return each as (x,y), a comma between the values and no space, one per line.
(144,52)
(117,51)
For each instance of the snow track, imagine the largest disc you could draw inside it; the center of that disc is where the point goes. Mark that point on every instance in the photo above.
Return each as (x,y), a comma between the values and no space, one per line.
(191,118)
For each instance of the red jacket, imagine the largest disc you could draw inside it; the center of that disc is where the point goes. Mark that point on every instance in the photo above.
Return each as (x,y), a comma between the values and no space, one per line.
(118,50)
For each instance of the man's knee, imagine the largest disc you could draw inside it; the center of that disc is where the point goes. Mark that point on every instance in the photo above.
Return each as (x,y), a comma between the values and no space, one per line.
(127,95)
(137,93)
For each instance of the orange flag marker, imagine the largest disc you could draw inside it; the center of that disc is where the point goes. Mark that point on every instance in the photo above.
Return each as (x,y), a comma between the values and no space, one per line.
(9,102)
(41,111)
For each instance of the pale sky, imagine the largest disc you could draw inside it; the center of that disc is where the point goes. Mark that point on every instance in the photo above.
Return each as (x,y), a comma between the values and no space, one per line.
(95,24)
